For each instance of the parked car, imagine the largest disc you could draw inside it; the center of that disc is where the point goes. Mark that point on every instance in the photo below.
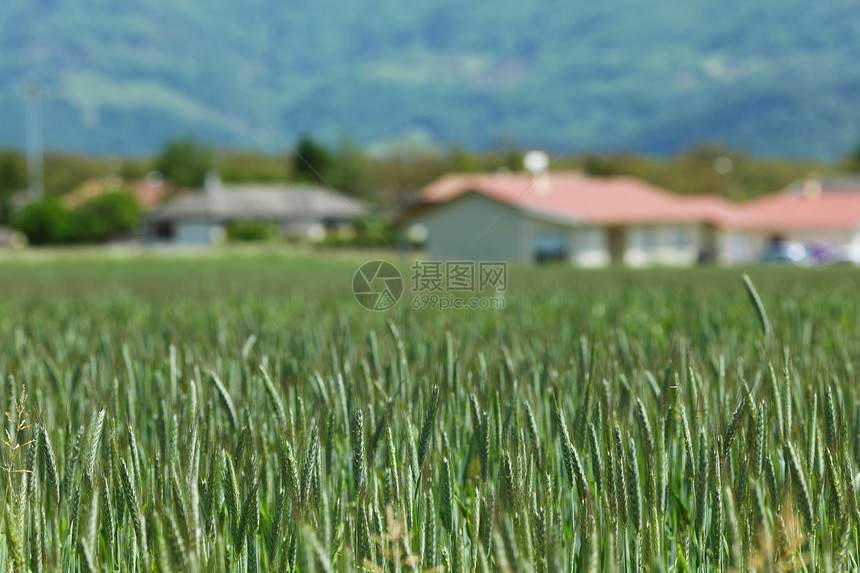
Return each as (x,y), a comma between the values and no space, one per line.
(821,252)
(787,253)
(846,255)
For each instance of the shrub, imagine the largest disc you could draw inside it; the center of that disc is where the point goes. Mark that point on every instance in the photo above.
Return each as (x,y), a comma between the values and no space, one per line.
(108,215)
(47,222)
(367,232)
(251,231)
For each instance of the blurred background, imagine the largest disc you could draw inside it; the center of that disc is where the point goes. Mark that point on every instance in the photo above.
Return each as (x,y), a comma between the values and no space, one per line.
(376,99)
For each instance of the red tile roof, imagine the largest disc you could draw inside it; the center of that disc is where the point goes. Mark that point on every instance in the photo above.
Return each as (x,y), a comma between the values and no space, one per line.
(623,200)
(597,200)
(812,211)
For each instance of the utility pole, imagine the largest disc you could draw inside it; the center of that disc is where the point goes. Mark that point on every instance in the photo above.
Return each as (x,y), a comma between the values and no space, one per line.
(33,127)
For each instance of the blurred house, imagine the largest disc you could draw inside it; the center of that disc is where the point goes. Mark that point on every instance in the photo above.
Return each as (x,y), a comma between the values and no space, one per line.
(812,211)
(589,221)
(205,216)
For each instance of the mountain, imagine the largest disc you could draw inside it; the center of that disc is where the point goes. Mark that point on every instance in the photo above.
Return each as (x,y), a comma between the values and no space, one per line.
(773,77)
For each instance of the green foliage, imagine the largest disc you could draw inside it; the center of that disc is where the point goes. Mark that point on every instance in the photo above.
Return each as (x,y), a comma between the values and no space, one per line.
(395,179)
(312,161)
(852,161)
(64,172)
(259,419)
(465,162)
(108,215)
(13,177)
(13,171)
(365,232)
(249,167)
(185,161)
(345,168)
(705,170)
(47,222)
(251,231)
(601,166)
(134,168)
(350,172)
(374,230)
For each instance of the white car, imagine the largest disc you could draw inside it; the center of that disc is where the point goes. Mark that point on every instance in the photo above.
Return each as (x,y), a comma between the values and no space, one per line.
(847,254)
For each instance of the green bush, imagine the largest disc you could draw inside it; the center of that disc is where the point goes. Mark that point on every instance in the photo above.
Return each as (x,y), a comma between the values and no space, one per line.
(47,222)
(13,177)
(374,231)
(251,231)
(108,215)
(370,232)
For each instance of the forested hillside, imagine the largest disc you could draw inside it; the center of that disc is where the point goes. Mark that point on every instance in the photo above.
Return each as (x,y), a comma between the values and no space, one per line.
(773,77)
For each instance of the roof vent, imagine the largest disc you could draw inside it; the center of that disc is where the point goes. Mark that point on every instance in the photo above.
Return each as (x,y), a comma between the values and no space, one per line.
(537,163)
(812,187)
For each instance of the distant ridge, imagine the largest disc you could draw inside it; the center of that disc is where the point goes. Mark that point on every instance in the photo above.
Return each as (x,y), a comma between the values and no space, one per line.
(772,77)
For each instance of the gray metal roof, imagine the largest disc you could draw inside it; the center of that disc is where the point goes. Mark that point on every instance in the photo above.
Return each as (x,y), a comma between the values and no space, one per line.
(262,202)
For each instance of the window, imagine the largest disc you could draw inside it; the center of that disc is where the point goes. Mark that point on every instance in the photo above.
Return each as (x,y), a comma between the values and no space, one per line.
(646,239)
(550,246)
(680,240)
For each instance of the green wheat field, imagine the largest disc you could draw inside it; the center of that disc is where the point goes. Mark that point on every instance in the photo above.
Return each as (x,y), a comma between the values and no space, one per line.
(242,413)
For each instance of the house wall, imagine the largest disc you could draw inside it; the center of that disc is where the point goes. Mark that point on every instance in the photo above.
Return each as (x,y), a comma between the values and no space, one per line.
(673,245)
(589,247)
(676,245)
(473,227)
(196,232)
(636,247)
(739,247)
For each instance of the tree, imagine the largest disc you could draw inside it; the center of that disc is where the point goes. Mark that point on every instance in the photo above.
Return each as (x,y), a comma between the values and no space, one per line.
(351,172)
(108,215)
(852,162)
(13,177)
(464,161)
(601,166)
(47,222)
(312,161)
(185,162)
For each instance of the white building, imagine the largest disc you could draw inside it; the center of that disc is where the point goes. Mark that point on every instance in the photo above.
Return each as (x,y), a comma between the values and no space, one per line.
(811,211)
(589,221)
(202,217)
